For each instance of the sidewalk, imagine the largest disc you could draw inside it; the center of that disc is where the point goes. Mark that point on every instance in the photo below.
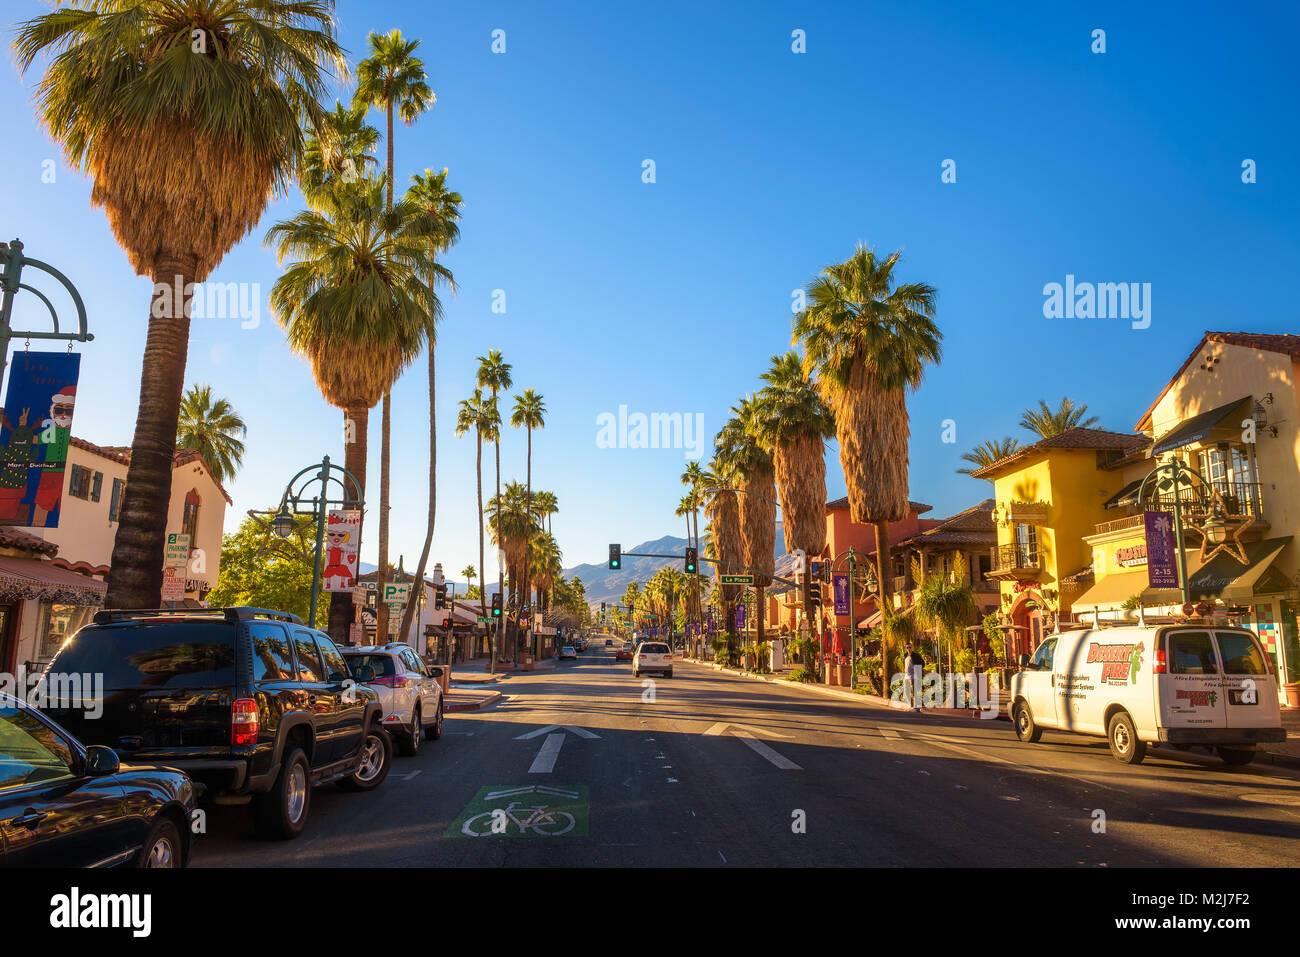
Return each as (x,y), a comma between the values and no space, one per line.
(1285,753)
(466,699)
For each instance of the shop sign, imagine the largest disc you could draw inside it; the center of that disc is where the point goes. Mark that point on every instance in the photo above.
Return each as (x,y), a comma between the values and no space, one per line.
(1029,513)
(1131,556)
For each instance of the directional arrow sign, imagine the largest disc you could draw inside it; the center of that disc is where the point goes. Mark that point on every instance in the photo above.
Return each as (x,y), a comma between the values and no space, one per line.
(544,763)
(750,737)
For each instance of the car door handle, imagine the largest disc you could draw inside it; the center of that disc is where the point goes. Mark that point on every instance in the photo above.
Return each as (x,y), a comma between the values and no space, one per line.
(29,820)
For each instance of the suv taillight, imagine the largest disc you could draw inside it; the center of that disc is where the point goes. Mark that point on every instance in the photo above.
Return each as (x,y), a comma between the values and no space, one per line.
(243,722)
(667,657)
(1160,666)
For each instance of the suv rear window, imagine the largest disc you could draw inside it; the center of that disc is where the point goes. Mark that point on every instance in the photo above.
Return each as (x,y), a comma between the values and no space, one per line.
(649,649)
(383,664)
(1192,653)
(170,654)
(1241,656)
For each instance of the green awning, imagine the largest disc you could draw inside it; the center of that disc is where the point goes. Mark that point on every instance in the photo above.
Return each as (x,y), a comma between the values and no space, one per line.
(1224,576)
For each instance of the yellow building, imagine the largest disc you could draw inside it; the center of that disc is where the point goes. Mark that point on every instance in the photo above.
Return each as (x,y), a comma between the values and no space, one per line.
(1047,497)
(1229,418)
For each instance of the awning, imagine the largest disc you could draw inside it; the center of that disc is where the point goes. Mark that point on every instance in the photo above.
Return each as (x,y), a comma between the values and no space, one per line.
(25,578)
(1225,577)
(1111,591)
(872,620)
(1197,428)
(1125,496)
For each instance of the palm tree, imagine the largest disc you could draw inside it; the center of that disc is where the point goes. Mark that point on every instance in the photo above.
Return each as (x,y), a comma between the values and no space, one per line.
(529,413)
(945,604)
(480,414)
(185,147)
(545,566)
(494,374)
(546,505)
(441,209)
(693,478)
(1048,422)
(356,303)
(392,77)
(336,155)
(867,342)
(988,452)
(510,523)
(211,428)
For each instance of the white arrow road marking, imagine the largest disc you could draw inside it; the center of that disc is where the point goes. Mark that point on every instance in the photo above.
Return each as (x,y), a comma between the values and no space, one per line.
(580,732)
(544,763)
(407,776)
(750,737)
(722,726)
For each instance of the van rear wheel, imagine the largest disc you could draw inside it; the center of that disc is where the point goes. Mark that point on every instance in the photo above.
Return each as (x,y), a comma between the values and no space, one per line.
(1124,743)
(1236,756)
(1026,728)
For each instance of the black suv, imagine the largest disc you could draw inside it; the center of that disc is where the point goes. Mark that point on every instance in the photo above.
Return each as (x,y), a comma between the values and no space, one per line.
(251,703)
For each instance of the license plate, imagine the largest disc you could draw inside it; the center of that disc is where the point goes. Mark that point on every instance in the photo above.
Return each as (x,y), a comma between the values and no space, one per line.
(1235,697)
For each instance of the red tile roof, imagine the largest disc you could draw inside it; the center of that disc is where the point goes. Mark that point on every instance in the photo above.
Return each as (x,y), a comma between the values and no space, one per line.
(972,526)
(1286,343)
(843,503)
(1101,440)
(11,537)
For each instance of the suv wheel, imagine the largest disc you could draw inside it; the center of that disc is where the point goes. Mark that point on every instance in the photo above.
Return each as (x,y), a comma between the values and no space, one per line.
(163,848)
(434,731)
(1124,743)
(409,743)
(281,813)
(376,758)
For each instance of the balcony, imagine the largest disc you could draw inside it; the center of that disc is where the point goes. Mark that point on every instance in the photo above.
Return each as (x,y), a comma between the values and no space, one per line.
(1017,562)
(1241,500)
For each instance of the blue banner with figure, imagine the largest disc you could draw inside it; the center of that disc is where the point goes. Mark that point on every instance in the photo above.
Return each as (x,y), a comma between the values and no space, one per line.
(35,430)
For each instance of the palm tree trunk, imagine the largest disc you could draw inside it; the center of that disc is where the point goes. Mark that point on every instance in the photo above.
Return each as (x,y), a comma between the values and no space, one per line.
(136,570)
(482,589)
(501,584)
(381,608)
(886,592)
(433,501)
(342,611)
(528,529)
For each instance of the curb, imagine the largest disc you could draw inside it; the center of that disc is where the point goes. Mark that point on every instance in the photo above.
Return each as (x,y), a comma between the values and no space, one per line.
(490,699)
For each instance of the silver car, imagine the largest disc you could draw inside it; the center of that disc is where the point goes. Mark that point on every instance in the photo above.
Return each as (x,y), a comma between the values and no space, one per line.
(410,696)
(653,656)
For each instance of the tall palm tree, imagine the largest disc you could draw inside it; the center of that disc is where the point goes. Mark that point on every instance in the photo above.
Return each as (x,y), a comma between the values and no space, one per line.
(480,414)
(355,302)
(545,566)
(693,478)
(723,510)
(988,452)
(391,78)
(494,375)
(866,342)
(212,428)
(510,522)
(1047,422)
(186,145)
(441,210)
(470,572)
(529,413)
(546,505)
(336,155)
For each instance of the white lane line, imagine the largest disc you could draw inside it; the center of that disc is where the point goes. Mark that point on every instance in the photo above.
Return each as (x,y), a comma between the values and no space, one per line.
(943,742)
(407,776)
(544,763)
(890,734)
(780,760)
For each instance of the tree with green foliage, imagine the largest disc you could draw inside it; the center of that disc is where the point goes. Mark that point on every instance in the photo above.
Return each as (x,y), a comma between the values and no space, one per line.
(261,569)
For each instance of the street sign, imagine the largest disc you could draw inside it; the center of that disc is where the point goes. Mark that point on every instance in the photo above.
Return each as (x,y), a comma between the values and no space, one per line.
(173,588)
(396,593)
(178,550)
(485,621)
(356,633)
(737,579)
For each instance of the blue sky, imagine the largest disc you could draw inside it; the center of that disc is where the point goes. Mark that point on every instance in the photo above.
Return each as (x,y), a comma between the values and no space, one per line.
(670,297)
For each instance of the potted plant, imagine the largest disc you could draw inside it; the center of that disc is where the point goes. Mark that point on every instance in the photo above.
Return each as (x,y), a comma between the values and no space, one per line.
(1292,637)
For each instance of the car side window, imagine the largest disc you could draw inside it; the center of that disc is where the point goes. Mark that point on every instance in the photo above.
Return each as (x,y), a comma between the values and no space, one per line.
(1042,659)
(30,751)
(1192,653)
(272,656)
(412,661)
(309,663)
(336,669)
(1241,656)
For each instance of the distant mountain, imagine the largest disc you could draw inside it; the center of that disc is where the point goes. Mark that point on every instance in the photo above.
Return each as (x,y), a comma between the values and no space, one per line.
(601,584)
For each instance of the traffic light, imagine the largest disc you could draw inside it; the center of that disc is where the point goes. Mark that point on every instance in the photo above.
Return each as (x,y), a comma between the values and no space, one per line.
(496,605)
(440,596)
(615,557)
(691,559)
(814,595)
(446,624)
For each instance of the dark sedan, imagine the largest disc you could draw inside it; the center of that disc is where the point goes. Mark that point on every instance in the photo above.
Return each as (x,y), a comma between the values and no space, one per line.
(66,805)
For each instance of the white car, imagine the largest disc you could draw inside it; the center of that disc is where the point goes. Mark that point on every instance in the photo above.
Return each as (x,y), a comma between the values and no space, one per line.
(410,696)
(568,652)
(652,656)
(1182,685)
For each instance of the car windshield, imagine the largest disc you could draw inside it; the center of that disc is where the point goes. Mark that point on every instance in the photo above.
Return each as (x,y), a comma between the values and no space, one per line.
(384,665)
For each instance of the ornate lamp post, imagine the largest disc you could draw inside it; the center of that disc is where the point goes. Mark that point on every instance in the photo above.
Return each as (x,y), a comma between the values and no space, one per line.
(1173,478)
(295,502)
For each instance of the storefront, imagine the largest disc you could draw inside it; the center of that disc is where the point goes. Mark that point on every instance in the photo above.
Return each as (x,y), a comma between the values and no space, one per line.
(41,606)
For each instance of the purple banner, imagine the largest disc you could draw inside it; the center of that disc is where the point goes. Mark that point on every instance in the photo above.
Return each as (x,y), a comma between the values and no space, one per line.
(840,580)
(740,617)
(1162,553)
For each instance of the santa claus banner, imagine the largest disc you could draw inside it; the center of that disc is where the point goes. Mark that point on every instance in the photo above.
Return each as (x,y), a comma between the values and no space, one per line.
(35,429)
(342,542)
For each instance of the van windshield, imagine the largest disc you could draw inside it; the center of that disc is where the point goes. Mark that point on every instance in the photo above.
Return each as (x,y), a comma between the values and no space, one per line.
(1192,653)
(1241,656)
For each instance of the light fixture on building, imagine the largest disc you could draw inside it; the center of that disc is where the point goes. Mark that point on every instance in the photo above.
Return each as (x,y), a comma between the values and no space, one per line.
(1216,527)
(283,522)
(872,583)
(1259,415)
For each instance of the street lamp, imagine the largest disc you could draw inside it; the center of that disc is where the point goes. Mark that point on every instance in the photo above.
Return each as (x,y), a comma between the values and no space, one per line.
(296,502)
(1216,526)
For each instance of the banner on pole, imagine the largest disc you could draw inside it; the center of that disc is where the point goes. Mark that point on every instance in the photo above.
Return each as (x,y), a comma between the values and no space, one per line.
(342,542)
(840,581)
(35,430)
(1162,551)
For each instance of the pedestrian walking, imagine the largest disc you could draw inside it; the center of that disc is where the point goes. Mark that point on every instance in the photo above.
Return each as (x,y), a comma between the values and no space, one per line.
(913,667)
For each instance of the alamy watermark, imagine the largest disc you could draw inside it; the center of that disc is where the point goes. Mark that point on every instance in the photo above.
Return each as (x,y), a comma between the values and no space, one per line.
(210,300)
(56,690)
(658,430)
(1102,300)
(978,691)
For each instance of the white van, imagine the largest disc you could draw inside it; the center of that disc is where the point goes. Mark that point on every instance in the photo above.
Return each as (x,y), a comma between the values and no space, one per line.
(1136,685)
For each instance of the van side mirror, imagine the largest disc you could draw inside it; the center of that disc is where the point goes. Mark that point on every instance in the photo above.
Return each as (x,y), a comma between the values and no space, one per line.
(1024,661)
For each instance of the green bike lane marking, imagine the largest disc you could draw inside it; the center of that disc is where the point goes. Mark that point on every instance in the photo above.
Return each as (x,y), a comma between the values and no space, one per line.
(525,810)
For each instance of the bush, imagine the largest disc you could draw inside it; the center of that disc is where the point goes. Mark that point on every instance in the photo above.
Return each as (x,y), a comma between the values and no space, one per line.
(804,674)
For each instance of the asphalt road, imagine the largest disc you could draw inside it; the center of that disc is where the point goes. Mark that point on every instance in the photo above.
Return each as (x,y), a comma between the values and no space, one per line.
(821,782)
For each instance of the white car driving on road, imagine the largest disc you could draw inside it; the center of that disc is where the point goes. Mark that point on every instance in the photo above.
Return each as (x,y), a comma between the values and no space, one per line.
(652,656)
(410,696)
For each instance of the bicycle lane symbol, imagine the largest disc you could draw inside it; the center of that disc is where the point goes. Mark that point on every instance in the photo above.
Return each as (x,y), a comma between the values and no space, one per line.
(527,810)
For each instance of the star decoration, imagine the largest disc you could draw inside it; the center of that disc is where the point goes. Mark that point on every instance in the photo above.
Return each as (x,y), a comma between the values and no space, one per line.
(1233,545)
